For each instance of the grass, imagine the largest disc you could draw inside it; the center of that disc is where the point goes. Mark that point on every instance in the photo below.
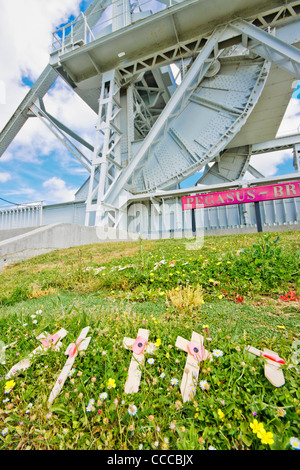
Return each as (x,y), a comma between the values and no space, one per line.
(235,291)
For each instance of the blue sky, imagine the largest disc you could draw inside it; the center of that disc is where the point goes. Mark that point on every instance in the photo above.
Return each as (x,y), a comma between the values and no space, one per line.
(36,166)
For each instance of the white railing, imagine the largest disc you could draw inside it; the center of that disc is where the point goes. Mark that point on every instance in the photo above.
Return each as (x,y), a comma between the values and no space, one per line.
(78,32)
(21,216)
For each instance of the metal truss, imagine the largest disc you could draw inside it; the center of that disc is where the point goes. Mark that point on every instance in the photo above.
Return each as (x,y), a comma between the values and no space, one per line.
(184,49)
(60,131)
(107,152)
(132,109)
(171,111)
(267,45)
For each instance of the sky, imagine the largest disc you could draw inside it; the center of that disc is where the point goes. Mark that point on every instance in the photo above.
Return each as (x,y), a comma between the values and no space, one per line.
(36,166)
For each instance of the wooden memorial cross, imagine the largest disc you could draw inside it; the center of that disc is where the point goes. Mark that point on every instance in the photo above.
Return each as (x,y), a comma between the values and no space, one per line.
(196,354)
(47,341)
(272,366)
(72,351)
(139,347)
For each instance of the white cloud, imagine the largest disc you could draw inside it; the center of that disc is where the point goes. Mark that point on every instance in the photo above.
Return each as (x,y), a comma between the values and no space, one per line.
(26,34)
(267,163)
(25,41)
(4,177)
(291,120)
(58,191)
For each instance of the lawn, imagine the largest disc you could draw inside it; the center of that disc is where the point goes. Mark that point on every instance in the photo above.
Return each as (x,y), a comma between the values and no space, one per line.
(236,291)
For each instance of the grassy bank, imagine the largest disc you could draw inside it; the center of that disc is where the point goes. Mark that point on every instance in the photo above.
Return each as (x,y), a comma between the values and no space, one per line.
(237,290)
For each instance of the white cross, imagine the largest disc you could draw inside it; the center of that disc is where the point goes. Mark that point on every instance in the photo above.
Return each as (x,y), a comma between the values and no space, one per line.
(196,354)
(72,351)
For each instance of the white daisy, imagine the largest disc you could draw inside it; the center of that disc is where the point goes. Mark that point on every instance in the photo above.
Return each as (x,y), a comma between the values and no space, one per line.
(217,353)
(132,410)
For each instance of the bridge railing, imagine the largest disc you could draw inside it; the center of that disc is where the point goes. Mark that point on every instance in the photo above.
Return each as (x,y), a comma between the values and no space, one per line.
(21,216)
(86,28)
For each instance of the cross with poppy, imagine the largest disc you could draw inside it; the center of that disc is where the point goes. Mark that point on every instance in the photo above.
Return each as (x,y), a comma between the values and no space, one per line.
(196,353)
(48,341)
(72,351)
(138,347)
(272,365)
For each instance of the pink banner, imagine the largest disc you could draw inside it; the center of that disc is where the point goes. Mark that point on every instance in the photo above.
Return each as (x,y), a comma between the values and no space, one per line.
(243,195)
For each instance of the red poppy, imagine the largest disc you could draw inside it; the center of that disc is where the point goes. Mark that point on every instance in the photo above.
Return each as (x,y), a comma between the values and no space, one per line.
(289,296)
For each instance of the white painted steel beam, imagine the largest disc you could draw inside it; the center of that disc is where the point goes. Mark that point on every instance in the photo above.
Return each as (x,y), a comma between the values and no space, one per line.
(172,109)
(18,119)
(269,46)
(56,130)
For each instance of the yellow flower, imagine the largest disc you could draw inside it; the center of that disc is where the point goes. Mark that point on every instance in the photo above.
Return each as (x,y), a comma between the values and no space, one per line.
(111,383)
(256,426)
(265,437)
(9,386)
(221,296)
(158,342)
(221,414)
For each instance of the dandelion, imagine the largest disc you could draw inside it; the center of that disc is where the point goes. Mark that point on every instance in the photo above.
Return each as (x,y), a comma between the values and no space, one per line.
(132,410)
(158,342)
(111,383)
(174,381)
(9,386)
(295,443)
(217,353)
(151,361)
(103,396)
(220,414)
